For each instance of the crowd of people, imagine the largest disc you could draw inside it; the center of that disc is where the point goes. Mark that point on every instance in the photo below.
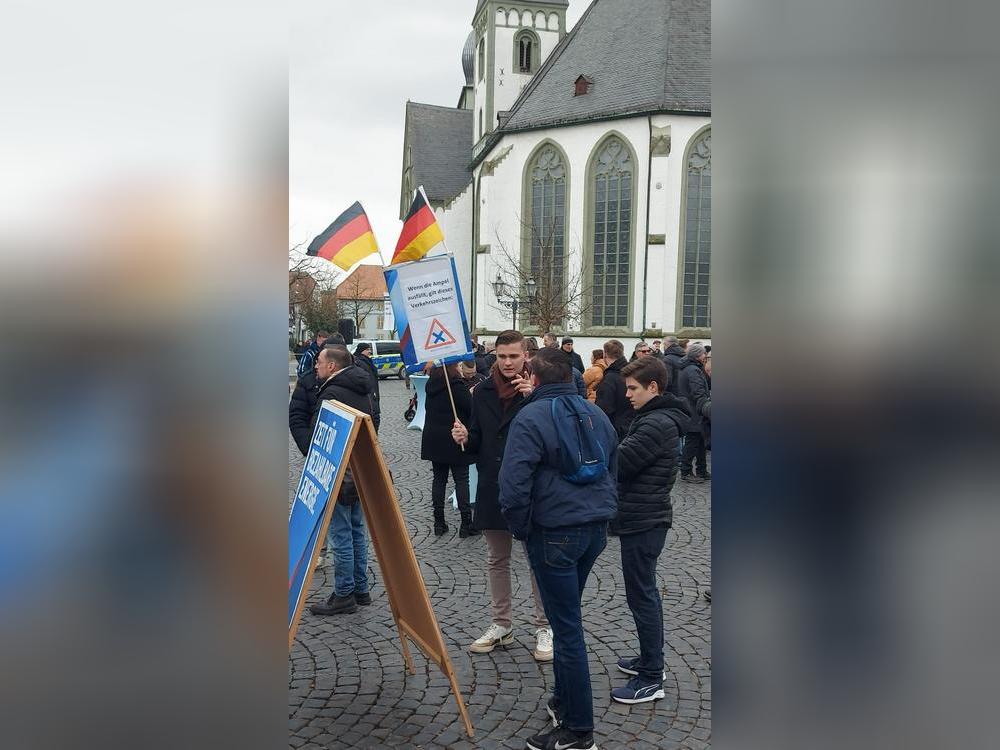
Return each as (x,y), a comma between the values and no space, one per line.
(564,455)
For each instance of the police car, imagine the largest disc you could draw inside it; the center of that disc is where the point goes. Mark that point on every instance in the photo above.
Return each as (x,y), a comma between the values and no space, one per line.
(385,356)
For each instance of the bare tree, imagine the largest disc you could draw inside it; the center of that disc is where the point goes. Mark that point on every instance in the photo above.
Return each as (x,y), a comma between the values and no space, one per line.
(562,295)
(321,312)
(357,300)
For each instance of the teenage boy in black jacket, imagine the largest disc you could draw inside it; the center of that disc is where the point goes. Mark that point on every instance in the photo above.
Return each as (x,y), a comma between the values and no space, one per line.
(647,466)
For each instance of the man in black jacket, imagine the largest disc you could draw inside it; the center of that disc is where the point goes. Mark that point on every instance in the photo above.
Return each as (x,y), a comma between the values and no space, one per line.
(496,402)
(647,466)
(575,359)
(611,391)
(362,358)
(694,386)
(347,536)
(303,405)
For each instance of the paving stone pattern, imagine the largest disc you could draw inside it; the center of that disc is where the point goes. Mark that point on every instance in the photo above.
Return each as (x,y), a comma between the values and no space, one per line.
(348,687)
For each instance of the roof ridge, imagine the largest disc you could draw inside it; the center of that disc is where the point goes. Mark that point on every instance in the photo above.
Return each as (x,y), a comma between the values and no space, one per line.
(437,106)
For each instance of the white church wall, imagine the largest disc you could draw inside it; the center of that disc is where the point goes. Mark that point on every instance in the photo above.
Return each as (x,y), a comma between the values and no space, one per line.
(501,209)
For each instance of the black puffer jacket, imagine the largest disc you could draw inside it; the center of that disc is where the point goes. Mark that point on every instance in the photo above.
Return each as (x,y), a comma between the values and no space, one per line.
(647,465)
(487,440)
(436,443)
(300,411)
(611,397)
(673,357)
(349,386)
(695,387)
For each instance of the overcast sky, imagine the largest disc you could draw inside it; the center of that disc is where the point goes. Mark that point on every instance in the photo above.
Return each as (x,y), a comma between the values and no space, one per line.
(350,74)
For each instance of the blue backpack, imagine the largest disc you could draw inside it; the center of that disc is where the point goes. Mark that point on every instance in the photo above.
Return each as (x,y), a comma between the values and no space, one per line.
(582,459)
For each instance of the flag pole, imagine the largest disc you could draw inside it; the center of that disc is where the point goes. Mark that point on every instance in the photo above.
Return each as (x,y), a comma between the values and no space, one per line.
(451,397)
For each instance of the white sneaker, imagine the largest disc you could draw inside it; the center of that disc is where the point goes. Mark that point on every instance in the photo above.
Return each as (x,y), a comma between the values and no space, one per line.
(495,635)
(543,644)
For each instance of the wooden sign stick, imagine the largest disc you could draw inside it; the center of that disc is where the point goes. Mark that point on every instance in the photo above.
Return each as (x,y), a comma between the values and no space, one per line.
(447,382)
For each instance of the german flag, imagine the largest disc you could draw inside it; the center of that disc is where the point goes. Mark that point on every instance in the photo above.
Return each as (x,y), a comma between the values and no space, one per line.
(420,232)
(347,240)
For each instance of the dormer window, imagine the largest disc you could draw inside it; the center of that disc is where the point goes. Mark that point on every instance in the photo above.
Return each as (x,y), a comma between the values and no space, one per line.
(582,86)
(526,52)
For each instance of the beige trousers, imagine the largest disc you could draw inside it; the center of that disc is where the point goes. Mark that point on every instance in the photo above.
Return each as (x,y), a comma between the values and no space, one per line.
(498,548)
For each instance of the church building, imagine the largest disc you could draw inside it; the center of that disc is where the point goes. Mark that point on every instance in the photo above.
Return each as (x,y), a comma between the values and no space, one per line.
(572,179)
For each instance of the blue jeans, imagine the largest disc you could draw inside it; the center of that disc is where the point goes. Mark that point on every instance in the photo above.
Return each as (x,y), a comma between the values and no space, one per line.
(561,560)
(347,539)
(639,555)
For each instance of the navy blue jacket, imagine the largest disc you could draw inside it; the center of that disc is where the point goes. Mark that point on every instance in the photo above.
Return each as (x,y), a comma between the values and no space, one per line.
(307,362)
(532,490)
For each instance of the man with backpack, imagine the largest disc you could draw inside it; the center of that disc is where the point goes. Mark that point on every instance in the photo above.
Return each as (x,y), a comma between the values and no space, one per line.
(557,492)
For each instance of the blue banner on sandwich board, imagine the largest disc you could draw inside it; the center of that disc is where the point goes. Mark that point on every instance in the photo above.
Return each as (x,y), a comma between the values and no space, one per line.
(325,463)
(428,311)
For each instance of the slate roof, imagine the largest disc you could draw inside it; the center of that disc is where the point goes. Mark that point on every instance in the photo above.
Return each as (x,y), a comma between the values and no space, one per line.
(440,139)
(642,56)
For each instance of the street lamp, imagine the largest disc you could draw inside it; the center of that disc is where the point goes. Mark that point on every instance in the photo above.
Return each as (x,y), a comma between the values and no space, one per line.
(509,297)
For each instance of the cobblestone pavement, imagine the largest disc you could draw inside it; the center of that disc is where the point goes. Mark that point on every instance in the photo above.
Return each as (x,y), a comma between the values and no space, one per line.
(348,687)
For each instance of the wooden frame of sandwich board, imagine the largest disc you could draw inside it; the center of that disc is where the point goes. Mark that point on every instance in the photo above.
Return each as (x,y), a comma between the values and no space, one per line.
(404,585)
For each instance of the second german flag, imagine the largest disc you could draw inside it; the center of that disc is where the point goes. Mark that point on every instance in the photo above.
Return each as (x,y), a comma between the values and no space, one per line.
(420,232)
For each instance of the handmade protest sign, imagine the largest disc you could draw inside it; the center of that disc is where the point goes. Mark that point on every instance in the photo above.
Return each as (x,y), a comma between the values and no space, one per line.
(428,311)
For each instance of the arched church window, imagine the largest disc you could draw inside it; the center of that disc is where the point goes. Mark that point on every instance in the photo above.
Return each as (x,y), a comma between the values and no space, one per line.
(612,173)
(526,52)
(696,305)
(546,221)
(482,58)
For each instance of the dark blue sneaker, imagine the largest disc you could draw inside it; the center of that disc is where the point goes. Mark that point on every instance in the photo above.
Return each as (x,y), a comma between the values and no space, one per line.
(627,666)
(638,690)
(562,739)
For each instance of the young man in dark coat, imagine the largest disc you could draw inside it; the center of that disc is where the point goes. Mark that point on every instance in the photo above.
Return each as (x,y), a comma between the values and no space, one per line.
(347,537)
(611,391)
(647,466)
(694,386)
(495,403)
(565,526)
(437,446)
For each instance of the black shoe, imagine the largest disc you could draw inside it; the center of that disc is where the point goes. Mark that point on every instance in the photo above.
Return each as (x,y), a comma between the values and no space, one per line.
(467,531)
(707,593)
(336,605)
(440,529)
(554,712)
(363,599)
(562,739)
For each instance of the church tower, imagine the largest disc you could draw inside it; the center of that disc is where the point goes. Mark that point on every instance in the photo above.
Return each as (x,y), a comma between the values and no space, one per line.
(512,40)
